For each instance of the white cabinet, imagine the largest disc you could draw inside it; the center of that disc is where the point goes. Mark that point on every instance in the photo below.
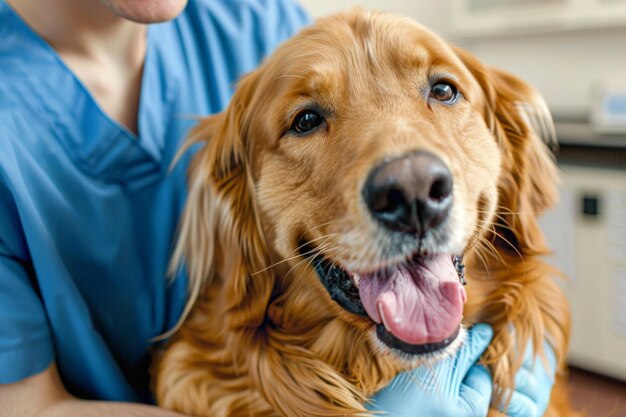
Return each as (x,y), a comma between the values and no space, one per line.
(591,249)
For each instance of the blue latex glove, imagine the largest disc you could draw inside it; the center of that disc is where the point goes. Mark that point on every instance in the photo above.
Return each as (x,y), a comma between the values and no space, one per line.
(460,387)
(533,385)
(453,387)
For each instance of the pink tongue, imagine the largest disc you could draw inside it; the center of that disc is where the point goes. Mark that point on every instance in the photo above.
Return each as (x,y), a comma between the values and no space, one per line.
(417,303)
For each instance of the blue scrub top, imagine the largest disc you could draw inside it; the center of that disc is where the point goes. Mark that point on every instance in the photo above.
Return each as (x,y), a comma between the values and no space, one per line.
(88,210)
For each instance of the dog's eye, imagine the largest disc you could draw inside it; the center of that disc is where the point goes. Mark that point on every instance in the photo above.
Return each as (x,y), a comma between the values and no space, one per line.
(444,92)
(306,121)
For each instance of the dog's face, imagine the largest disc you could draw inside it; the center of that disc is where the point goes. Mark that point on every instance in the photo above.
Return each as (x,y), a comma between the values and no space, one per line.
(374,161)
(367,154)
(374,146)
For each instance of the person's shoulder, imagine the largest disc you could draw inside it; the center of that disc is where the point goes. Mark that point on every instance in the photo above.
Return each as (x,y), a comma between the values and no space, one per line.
(261,7)
(269,21)
(223,39)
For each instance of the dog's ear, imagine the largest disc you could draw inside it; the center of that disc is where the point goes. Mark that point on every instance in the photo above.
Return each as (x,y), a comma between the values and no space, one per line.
(519,298)
(221,233)
(220,227)
(520,121)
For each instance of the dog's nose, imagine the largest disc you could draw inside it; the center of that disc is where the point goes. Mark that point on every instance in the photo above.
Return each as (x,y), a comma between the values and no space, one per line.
(411,194)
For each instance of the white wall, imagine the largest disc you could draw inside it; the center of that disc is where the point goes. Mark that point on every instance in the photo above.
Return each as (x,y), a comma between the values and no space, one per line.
(562,66)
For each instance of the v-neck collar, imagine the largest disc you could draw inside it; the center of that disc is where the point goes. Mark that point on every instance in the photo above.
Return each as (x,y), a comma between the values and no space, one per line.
(99,144)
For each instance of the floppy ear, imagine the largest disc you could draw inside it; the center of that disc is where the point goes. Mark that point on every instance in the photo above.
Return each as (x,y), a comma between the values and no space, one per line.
(528,183)
(221,238)
(519,297)
(220,219)
(520,120)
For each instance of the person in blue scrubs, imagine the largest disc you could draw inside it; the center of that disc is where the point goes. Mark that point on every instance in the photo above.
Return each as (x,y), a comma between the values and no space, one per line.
(94,104)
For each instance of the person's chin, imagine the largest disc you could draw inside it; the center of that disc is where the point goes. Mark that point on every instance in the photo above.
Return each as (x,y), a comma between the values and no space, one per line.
(146,11)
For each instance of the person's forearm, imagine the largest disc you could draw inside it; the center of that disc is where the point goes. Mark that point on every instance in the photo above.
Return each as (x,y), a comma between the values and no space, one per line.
(43,395)
(78,408)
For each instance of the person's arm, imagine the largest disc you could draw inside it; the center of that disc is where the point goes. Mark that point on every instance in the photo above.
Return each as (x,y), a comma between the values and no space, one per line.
(29,381)
(43,395)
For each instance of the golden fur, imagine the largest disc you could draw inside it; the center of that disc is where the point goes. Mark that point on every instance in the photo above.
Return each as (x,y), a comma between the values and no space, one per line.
(264,337)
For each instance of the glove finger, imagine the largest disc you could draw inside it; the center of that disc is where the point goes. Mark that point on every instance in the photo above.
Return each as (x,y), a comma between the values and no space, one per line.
(400,385)
(396,393)
(530,361)
(451,371)
(527,384)
(522,406)
(475,392)
(480,336)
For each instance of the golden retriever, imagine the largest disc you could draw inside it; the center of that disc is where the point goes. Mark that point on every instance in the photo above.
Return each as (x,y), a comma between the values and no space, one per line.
(328,213)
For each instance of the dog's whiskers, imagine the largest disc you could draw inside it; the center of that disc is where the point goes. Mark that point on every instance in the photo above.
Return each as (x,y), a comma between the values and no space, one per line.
(487,245)
(325,237)
(495,232)
(309,260)
(480,256)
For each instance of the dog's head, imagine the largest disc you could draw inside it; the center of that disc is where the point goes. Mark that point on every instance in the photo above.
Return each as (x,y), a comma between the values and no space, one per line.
(350,170)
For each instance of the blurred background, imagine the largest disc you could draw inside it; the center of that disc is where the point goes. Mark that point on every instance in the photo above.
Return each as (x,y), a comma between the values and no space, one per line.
(574,53)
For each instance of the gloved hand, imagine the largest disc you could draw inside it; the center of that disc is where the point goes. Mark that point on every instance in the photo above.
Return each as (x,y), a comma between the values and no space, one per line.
(533,385)
(460,387)
(455,387)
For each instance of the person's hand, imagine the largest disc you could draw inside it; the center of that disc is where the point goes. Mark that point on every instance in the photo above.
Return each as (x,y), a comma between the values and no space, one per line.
(533,385)
(456,386)
(460,387)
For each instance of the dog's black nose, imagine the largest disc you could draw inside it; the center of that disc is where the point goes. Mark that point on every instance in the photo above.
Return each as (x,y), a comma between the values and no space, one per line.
(411,194)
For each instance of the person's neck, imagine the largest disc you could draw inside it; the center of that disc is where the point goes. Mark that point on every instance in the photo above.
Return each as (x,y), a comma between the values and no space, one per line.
(105,51)
(85,28)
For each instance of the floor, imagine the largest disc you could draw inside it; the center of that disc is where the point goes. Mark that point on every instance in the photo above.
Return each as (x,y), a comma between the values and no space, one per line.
(597,396)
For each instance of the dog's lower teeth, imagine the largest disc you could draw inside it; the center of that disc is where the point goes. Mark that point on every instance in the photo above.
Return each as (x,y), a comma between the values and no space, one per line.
(356,279)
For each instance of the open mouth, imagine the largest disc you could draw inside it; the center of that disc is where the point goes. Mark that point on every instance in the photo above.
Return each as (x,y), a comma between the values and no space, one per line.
(417,305)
